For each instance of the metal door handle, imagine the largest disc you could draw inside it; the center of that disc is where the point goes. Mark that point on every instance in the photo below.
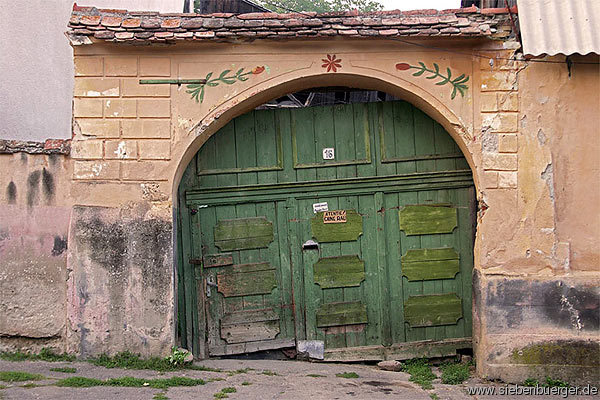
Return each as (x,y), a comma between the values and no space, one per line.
(210,282)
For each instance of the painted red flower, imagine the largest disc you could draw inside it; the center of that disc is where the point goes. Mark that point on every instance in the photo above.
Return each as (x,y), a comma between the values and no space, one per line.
(258,70)
(402,66)
(331,63)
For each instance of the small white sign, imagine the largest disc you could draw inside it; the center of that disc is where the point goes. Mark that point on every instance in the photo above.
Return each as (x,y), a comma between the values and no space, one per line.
(319,207)
(329,153)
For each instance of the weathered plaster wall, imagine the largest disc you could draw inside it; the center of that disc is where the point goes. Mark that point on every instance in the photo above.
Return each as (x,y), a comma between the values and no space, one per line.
(34,220)
(539,306)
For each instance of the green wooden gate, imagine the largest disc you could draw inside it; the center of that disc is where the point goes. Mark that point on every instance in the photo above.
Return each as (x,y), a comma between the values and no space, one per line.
(352,225)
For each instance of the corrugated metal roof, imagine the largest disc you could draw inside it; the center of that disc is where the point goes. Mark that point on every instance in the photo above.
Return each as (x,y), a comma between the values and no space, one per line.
(560,26)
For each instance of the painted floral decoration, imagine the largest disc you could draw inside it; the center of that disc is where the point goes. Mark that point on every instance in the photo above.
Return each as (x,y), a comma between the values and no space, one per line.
(457,83)
(331,63)
(226,77)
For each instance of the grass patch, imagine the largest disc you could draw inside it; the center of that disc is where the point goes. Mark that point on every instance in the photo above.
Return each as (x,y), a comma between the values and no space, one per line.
(216,379)
(18,376)
(549,382)
(46,354)
(246,383)
(316,376)
(269,373)
(66,370)
(128,381)
(455,374)
(79,381)
(3,387)
(160,396)
(420,372)
(434,396)
(128,360)
(223,393)
(239,371)
(203,368)
(347,375)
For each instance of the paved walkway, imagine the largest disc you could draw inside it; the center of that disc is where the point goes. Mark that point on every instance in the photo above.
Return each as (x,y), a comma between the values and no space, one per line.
(267,379)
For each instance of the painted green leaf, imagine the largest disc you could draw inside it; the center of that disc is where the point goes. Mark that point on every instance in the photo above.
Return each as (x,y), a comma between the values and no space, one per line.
(336,272)
(433,310)
(428,264)
(425,219)
(344,232)
(243,233)
(336,314)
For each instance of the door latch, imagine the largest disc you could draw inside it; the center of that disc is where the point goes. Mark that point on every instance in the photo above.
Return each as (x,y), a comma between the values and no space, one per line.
(210,282)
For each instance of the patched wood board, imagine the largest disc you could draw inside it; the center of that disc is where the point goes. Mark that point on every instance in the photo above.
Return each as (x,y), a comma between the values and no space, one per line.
(429,264)
(433,310)
(426,219)
(250,326)
(336,314)
(247,279)
(336,272)
(343,232)
(243,233)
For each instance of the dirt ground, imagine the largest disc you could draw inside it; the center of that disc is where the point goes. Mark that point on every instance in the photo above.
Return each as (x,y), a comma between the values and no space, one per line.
(266,379)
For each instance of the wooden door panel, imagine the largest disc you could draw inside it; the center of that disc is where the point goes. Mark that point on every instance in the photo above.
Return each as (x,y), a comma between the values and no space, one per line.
(244,296)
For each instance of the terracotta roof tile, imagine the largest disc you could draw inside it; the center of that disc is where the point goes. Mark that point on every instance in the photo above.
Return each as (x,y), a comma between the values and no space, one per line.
(139,26)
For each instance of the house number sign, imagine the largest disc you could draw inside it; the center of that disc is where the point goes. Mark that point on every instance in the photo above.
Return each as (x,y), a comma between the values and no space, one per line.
(334,217)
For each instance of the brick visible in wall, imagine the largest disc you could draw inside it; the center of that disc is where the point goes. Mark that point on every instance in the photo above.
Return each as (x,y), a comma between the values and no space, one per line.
(99,128)
(145,171)
(146,129)
(88,66)
(96,170)
(120,108)
(120,150)
(120,66)
(96,87)
(155,149)
(155,66)
(154,108)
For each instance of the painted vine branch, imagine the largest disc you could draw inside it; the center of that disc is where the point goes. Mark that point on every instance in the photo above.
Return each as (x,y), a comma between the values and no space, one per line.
(197,90)
(457,83)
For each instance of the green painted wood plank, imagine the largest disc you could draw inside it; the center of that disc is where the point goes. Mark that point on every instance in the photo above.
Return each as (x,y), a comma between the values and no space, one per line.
(444,144)
(243,233)
(247,316)
(188,276)
(467,219)
(311,293)
(268,145)
(301,324)
(404,129)
(424,219)
(371,285)
(324,138)
(284,130)
(245,148)
(337,272)
(365,129)
(303,143)
(336,314)
(225,155)
(431,310)
(344,139)
(428,264)
(385,138)
(382,270)
(341,232)
(392,249)
(197,299)
(285,285)
(424,139)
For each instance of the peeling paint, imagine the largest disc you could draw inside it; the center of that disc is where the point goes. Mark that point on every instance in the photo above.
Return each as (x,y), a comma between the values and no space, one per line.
(547,175)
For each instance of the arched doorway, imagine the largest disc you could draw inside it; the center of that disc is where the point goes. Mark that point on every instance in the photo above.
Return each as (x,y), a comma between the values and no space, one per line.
(347,226)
